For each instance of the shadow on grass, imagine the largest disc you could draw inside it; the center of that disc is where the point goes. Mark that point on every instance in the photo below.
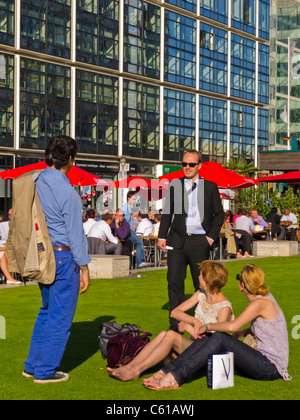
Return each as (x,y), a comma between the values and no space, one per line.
(83,342)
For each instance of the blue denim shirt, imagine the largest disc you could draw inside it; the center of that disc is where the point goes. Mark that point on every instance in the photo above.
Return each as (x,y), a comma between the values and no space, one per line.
(62,207)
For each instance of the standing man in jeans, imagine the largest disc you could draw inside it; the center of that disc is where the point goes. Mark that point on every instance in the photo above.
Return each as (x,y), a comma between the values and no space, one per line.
(62,207)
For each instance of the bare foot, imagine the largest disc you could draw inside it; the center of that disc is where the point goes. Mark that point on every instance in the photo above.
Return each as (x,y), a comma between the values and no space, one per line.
(124,373)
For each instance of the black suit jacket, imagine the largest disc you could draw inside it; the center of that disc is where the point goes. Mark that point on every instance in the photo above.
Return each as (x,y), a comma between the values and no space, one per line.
(173,221)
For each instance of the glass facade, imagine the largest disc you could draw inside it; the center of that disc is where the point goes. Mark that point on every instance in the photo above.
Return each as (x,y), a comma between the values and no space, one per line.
(213,129)
(143,79)
(97,32)
(284,72)
(179,132)
(6,100)
(142,38)
(46,26)
(141,120)
(213,75)
(44,102)
(180,49)
(7,24)
(96,113)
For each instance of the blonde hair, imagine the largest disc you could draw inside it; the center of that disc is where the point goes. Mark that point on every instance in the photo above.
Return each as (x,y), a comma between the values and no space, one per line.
(215,275)
(253,278)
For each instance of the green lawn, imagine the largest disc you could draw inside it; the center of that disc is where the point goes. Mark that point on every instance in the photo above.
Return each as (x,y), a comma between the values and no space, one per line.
(141,300)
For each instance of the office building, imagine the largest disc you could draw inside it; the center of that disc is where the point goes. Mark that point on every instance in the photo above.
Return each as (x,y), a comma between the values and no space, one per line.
(142,80)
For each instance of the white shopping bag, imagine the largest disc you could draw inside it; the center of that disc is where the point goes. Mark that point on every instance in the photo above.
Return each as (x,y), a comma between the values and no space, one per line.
(220,370)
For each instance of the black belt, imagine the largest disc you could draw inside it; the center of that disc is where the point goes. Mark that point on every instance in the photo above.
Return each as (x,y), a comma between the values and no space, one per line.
(61,248)
(195,234)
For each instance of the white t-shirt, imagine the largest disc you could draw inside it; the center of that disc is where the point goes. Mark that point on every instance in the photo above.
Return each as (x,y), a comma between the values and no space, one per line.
(102,231)
(145,228)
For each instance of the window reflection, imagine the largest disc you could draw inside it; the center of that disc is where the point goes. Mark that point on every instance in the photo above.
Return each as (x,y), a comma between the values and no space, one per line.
(179,124)
(45,102)
(97,113)
(141,120)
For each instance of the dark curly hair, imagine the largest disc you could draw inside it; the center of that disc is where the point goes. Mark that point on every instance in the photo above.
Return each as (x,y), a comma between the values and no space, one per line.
(59,150)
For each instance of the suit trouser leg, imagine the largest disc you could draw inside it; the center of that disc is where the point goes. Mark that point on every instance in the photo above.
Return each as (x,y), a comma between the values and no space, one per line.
(195,250)
(177,266)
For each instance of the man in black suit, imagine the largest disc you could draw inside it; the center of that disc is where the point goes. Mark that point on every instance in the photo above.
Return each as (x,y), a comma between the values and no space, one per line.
(191,221)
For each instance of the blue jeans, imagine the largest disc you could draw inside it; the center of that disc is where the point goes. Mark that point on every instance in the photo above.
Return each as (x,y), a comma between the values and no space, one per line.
(249,361)
(138,243)
(52,327)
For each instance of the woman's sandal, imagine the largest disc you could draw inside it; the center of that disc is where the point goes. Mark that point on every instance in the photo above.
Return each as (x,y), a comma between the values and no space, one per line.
(160,387)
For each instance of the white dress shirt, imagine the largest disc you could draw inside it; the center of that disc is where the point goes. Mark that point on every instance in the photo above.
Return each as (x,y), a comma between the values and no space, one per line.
(102,231)
(290,218)
(87,225)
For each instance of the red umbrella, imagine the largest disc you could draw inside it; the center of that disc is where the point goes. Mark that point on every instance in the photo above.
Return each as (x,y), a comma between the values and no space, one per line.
(288,177)
(215,172)
(149,189)
(76,175)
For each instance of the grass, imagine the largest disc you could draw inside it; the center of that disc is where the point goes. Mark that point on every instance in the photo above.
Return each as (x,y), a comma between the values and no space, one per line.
(141,300)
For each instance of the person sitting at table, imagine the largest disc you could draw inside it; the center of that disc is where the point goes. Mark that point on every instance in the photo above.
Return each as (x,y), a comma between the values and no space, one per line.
(145,226)
(243,228)
(230,236)
(291,218)
(157,219)
(102,230)
(274,218)
(90,220)
(120,229)
(259,223)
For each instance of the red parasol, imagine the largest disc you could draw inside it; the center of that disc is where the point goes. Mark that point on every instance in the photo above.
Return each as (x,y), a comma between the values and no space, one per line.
(149,189)
(215,172)
(76,175)
(287,177)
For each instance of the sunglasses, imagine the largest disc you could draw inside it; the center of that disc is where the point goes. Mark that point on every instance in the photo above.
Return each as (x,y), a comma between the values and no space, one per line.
(191,165)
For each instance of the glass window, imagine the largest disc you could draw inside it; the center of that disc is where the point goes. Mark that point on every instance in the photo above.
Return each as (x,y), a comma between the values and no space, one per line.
(179,124)
(263,129)
(243,68)
(190,5)
(264,18)
(213,59)
(6,100)
(215,9)
(142,38)
(97,113)
(141,120)
(97,32)
(46,27)
(242,132)
(45,102)
(180,49)
(213,129)
(7,8)
(263,73)
(243,15)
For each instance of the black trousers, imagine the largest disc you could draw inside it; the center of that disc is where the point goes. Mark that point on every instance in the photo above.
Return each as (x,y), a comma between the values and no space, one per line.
(195,250)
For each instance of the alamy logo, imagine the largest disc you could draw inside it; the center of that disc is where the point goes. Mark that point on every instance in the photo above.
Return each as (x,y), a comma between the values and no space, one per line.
(2,328)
